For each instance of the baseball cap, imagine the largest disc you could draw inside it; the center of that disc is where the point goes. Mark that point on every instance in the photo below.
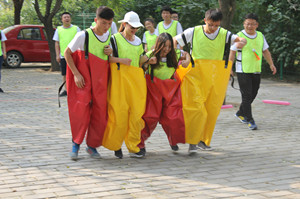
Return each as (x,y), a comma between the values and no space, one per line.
(132,19)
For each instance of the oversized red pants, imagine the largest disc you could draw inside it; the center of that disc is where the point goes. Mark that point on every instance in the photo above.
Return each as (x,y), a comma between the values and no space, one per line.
(164,105)
(88,106)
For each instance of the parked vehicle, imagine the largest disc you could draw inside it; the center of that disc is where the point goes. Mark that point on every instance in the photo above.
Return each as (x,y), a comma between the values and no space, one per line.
(26,43)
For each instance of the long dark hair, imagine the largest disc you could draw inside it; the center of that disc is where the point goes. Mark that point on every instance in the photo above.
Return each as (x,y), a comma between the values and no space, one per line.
(159,45)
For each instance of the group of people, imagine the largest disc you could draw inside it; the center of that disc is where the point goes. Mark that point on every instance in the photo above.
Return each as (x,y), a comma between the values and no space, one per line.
(119,90)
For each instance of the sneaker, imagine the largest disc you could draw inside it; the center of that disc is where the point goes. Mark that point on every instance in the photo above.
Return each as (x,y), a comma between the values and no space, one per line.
(139,154)
(93,152)
(1,91)
(119,154)
(201,145)
(241,118)
(252,125)
(175,147)
(74,152)
(143,150)
(64,93)
(192,148)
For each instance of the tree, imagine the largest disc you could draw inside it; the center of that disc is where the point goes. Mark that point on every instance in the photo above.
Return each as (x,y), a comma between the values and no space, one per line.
(228,9)
(47,21)
(18,7)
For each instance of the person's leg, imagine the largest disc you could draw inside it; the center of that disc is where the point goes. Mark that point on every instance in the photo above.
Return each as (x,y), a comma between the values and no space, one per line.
(245,83)
(1,62)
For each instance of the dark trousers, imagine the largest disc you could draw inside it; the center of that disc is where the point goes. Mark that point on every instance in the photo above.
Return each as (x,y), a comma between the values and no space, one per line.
(249,85)
(1,62)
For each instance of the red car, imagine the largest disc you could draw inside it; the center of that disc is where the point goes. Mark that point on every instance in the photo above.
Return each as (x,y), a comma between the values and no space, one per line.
(26,43)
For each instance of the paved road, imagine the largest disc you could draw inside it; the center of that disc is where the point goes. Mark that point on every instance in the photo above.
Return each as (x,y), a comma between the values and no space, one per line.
(35,141)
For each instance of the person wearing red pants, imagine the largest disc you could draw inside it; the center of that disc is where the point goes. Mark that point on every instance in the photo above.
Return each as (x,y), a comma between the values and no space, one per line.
(87,78)
(164,103)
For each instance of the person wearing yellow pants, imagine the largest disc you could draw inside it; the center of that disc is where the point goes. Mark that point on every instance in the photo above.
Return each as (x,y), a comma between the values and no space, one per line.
(204,86)
(87,78)
(126,90)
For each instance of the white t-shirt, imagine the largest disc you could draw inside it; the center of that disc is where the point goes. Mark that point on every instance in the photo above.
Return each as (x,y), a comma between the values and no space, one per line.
(114,28)
(144,36)
(179,27)
(3,37)
(56,37)
(190,32)
(77,42)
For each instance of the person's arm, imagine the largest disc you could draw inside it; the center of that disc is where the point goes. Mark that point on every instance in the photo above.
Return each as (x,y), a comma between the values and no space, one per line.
(124,61)
(240,42)
(3,49)
(78,78)
(232,59)
(186,61)
(268,57)
(57,51)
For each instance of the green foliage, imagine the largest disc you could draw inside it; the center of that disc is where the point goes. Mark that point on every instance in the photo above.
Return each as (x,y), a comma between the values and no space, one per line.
(6,14)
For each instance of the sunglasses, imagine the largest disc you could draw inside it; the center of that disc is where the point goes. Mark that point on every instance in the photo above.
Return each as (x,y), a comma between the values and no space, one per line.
(133,28)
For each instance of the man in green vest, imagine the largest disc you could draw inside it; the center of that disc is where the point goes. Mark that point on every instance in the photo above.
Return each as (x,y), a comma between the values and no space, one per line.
(205,84)
(87,79)
(168,25)
(2,53)
(248,66)
(62,37)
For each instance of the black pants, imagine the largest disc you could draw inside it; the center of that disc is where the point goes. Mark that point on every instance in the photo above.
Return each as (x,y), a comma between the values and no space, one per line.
(249,85)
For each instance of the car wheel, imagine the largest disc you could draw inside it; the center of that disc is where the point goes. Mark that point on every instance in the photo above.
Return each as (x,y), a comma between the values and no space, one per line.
(13,59)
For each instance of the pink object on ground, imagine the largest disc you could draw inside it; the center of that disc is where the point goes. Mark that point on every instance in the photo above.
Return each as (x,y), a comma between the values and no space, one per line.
(276,102)
(226,106)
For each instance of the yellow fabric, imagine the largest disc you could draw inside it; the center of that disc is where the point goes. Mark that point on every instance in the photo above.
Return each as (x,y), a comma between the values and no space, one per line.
(65,37)
(209,49)
(249,62)
(203,90)
(181,71)
(126,106)
(172,30)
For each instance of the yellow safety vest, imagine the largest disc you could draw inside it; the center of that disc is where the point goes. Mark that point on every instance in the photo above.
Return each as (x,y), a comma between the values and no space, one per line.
(172,30)
(250,64)
(65,37)
(150,39)
(96,46)
(205,48)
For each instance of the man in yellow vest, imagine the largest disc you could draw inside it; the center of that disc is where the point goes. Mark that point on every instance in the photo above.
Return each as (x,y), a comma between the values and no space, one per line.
(168,25)
(62,37)
(87,79)
(248,66)
(204,86)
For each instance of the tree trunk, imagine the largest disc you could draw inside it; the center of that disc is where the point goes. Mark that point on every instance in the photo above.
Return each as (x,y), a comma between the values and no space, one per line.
(47,21)
(18,4)
(228,9)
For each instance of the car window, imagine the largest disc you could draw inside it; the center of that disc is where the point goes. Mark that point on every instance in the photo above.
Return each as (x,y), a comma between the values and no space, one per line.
(45,34)
(30,33)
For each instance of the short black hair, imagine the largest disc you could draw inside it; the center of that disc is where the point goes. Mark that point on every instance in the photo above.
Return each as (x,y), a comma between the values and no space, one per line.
(214,14)
(174,12)
(150,19)
(105,12)
(251,16)
(166,8)
(65,13)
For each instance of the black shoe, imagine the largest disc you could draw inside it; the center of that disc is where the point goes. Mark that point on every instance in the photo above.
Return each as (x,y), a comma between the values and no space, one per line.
(139,154)
(64,93)
(119,154)
(1,91)
(143,150)
(175,147)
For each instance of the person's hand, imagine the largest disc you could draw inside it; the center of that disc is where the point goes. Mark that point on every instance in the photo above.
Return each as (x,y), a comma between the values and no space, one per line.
(152,60)
(185,63)
(273,69)
(58,58)
(79,81)
(126,61)
(231,73)
(108,50)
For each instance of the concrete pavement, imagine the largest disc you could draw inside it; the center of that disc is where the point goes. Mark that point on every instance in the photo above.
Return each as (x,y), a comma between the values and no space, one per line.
(35,141)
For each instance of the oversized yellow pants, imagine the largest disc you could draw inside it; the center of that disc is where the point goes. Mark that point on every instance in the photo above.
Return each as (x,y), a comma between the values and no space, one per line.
(203,91)
(127,92)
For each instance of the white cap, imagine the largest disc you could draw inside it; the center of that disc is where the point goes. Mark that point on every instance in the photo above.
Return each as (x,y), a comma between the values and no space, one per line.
(132,19)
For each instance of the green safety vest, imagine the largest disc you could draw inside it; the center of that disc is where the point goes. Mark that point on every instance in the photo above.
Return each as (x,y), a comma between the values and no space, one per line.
(150,39)
(205,48)
(65,37)
(1,45)
(96,46)
(172,30)
(249,62)
(127,50)
(163,72)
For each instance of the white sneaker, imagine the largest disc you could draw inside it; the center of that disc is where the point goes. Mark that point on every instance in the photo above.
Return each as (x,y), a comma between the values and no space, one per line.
(192,148)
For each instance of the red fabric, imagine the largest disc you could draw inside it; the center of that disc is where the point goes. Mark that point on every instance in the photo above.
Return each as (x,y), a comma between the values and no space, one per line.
(164,105)
(87,106)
